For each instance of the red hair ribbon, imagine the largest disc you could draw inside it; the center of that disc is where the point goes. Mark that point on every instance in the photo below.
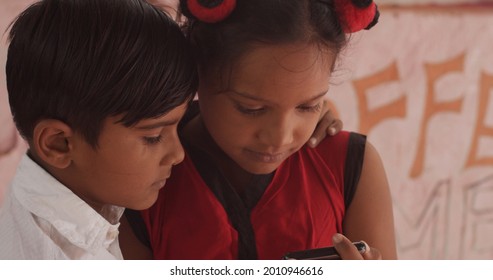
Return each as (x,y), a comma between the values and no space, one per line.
(211,11)
(356,15)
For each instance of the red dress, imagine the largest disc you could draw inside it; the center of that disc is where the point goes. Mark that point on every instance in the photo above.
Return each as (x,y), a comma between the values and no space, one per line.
(298,207)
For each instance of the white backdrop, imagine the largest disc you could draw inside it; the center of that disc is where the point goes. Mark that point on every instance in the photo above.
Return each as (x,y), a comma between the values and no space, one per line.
(11,145)
(422,89)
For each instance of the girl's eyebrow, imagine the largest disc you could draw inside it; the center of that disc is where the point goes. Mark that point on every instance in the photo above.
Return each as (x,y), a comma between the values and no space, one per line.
(322,94)
(256,98)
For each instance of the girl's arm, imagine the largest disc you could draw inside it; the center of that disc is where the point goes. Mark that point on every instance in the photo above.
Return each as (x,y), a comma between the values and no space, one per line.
(370,216)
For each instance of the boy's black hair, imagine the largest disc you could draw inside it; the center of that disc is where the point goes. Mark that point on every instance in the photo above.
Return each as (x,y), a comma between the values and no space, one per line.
(81,61)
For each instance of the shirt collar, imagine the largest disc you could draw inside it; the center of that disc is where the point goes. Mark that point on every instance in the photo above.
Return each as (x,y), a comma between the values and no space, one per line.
(44,196)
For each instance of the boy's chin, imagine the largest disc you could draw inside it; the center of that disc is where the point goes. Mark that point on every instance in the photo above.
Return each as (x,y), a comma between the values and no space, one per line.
(142,205)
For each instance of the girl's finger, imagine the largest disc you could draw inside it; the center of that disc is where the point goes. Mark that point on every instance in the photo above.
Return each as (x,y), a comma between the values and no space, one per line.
(345,248)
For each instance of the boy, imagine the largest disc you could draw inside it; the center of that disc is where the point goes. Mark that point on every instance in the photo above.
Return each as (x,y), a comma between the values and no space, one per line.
(96,87)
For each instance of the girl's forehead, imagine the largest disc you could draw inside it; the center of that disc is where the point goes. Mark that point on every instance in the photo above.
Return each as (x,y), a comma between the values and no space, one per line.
(295,57)
(290,65)
(293,72)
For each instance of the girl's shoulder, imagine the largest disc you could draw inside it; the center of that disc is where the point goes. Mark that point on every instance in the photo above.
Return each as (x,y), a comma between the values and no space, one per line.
(341,146)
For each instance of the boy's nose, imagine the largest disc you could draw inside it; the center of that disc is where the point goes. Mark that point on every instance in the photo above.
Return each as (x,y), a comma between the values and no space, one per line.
(176,153)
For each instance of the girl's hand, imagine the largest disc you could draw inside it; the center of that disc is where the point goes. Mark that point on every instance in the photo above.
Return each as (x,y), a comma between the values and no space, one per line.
(348,251)
(327,125)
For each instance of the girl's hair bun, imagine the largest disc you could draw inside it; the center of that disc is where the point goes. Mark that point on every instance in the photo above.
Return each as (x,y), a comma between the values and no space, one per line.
(209,11)
(356,15)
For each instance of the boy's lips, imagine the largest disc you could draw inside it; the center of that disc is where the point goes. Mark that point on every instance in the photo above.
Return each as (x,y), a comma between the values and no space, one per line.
(161,182)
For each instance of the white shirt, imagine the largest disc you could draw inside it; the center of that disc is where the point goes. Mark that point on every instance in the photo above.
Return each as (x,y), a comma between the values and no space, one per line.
(40,218)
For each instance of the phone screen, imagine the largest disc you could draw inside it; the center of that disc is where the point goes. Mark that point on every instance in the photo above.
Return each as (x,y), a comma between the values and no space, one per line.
(325,253)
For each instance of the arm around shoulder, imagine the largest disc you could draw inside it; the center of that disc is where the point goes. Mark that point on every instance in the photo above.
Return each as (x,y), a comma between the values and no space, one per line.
(370,215)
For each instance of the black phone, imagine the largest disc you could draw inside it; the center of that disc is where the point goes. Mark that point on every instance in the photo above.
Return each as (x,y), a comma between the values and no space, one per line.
(324,253)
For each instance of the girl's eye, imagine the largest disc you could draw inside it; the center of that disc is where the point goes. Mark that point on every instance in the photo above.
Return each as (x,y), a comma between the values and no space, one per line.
(315,108)
(249,111)
(152,140)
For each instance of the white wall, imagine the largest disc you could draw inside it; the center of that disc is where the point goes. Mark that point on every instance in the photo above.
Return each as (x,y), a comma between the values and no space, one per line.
(420,84)
(11,145)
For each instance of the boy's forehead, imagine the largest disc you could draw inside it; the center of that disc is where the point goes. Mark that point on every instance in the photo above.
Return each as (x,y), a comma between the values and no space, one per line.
(171,117)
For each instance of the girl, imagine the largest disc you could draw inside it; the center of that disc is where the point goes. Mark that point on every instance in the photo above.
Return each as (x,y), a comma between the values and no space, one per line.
(249,188)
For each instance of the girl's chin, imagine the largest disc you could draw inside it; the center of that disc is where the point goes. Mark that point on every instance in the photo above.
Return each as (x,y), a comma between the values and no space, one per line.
(260,169)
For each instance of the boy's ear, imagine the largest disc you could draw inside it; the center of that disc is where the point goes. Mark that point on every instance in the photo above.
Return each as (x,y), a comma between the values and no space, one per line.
(52,142)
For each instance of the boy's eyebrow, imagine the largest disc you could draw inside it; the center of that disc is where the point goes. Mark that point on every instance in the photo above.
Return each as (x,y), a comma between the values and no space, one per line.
(158,124)
(246,95)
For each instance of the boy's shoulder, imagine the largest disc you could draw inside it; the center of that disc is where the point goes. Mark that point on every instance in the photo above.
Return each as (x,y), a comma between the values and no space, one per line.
(17,227)
(40,218)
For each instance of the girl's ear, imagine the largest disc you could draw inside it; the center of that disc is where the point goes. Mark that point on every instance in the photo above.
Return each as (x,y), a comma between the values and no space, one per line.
(52,142)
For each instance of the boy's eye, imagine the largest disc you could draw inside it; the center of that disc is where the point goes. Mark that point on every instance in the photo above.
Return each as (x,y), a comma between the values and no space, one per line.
(314,108)
(152,140)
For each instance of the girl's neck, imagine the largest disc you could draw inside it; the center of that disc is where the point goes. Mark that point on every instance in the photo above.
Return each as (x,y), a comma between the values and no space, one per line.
(196,134)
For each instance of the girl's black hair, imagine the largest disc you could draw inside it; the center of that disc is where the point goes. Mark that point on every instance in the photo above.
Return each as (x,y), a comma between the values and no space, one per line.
(81,61)
(257,22)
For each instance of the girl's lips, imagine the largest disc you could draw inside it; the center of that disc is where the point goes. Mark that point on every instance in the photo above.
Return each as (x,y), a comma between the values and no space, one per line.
(266,157)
